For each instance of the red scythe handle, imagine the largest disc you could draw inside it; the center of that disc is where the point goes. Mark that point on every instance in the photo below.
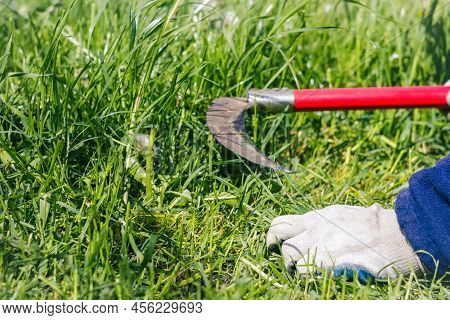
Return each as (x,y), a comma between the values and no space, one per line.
(371,98)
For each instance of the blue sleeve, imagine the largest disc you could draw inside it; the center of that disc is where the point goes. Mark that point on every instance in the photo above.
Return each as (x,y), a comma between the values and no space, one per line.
(423,213)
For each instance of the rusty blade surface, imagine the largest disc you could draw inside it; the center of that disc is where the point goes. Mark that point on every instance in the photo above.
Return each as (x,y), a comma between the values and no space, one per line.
(226,121)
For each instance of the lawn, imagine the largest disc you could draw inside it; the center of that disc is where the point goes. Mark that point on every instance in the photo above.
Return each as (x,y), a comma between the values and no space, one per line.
(84,216)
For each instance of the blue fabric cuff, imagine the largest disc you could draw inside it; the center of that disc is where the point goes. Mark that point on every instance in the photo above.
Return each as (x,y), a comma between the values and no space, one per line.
(423,213)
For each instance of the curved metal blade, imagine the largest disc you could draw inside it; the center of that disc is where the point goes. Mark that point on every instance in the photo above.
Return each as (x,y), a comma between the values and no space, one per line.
(226,121)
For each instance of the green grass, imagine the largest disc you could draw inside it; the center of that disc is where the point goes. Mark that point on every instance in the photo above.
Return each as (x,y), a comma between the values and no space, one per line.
(76,78)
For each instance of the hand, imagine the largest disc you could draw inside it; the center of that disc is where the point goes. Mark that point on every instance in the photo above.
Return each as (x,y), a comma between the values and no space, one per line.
(342,239)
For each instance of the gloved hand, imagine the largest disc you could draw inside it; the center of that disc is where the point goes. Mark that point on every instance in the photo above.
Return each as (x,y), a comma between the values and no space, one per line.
(344,239)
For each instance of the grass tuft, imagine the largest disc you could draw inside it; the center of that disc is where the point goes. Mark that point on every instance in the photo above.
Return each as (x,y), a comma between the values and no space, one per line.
(78,79)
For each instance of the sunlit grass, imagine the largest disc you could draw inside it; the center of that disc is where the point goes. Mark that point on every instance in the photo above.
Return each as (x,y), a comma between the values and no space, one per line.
(79,220)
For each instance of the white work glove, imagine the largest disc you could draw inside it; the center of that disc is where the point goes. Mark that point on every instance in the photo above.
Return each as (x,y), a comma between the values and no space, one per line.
(344,239)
